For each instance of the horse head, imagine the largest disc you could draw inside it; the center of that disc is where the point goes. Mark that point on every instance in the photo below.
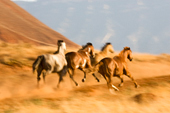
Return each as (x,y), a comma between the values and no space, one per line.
(129,53)
(62,44)
(89,48)
(107,48)
(110,47)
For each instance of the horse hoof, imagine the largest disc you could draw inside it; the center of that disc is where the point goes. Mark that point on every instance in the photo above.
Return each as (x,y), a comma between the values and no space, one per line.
(120,85)
(83,80)
(112,91)
(116,89)
(137,86)
(98,80)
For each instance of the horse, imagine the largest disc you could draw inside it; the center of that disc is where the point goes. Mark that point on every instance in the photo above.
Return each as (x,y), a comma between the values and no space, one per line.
(80,60)
(106,51)
(51,63)
(116,67)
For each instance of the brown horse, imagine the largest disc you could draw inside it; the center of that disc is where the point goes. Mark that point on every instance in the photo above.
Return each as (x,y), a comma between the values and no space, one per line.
(116,67)
(80,60)
(106,51)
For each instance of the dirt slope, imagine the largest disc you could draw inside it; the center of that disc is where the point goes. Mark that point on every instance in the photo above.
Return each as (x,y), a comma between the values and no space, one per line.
(17,25)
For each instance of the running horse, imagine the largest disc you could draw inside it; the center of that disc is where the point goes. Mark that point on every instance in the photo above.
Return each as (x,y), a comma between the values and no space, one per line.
(115,67)
(106,51)
(80,60)
(52,63)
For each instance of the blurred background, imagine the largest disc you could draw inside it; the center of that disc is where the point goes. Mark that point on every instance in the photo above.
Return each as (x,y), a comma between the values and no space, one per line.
(141,24)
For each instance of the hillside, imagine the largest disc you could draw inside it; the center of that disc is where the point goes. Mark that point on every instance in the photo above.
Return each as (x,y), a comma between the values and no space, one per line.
(17,25)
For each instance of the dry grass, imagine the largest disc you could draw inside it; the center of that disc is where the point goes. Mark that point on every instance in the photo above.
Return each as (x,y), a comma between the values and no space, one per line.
(22,54)
(83,101)
(18,92)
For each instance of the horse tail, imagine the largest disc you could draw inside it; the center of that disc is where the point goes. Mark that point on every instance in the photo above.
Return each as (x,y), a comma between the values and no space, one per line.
(116,64)
(95,68)
(116,67)
(37,63)
(69,60)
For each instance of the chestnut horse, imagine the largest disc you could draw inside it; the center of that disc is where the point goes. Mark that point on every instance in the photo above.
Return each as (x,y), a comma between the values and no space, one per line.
(106,51)
(116,67)
(80,60)
(52,63)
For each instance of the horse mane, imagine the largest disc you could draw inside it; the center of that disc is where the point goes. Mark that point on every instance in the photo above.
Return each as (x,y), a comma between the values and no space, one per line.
(108,43)
(124,49)
(84,46)
(59,41)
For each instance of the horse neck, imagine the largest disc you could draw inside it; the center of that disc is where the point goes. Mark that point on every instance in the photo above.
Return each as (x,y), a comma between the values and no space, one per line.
(105,50)
(60,51)
(85,50)
(123,56)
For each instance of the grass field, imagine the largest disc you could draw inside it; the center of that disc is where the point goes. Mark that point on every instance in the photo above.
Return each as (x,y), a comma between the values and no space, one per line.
(19,94)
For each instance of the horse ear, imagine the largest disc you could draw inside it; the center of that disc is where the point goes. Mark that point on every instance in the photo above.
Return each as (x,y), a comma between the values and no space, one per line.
(59,42)
(89,44)
(126,48)
(108,43)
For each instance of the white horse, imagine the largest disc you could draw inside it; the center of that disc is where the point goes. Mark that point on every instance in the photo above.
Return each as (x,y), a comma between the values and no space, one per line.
(52,63)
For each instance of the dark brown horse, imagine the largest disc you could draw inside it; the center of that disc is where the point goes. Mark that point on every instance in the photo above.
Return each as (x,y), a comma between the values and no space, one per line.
(79,60)
(116,67)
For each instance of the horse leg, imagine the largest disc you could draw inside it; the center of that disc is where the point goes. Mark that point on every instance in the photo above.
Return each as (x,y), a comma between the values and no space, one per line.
(130,76)
(96,77)
(71,75)
(60,79)
(90,67)
(83,80)
(121,79)
(110,79)
(109,82)
(61,74)
(106,79)
(38,76)
(44,74)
